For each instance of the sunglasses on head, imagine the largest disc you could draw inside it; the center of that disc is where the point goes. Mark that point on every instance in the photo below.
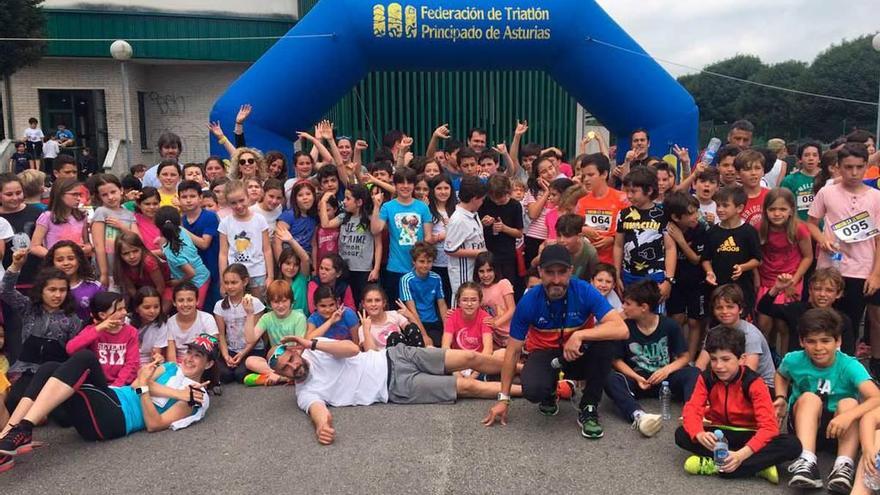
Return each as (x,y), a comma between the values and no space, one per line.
(279,351)
(249,161)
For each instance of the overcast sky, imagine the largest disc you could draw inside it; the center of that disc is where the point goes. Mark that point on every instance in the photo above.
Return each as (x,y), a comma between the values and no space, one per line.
(699,32)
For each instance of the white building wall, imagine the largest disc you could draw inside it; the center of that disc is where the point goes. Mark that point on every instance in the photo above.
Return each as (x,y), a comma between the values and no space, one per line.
(228,7)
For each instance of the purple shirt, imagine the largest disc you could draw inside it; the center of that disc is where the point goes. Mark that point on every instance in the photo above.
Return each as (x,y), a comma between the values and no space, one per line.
(82,296)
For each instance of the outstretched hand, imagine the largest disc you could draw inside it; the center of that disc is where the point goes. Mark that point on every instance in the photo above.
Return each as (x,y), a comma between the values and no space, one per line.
(243,113)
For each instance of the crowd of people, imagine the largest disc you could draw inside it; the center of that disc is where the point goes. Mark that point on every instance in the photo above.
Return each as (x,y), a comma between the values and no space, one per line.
(740,283)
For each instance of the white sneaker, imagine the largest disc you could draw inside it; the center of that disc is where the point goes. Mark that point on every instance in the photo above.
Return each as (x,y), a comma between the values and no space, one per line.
(648,424)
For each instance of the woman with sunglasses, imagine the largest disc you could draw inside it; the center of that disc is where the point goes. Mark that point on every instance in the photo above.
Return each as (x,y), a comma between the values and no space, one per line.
(163,396)
(247,163)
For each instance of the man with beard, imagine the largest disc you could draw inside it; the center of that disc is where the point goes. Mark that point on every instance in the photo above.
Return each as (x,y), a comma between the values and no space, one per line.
(555,321)
(336,373)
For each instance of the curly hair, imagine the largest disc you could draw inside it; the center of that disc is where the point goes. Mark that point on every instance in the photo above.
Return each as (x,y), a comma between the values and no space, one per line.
(234,172)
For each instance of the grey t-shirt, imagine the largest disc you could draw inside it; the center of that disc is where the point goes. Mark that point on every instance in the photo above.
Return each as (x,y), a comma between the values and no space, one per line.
(356,244)
(757,344)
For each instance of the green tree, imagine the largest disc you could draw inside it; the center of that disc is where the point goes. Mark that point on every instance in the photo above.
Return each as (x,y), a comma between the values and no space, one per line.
(775,113)
(20,19)
(717,96)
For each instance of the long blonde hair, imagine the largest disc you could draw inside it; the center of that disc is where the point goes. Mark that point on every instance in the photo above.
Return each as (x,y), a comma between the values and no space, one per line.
(235,172)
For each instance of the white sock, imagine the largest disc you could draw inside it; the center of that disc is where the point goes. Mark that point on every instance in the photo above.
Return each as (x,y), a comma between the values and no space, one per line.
(808,456)
(638,414)
(842,459)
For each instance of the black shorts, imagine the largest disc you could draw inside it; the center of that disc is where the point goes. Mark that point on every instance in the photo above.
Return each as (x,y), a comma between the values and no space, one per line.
(687,298)
(35,149)
(822,442)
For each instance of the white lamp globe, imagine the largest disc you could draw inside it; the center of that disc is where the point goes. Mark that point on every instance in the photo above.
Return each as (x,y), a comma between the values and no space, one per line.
(876,42)
(121,50)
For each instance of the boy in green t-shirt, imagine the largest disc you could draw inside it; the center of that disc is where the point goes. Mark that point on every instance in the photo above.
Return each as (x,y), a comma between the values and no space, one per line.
(825,385)
(281,322)
(800,183)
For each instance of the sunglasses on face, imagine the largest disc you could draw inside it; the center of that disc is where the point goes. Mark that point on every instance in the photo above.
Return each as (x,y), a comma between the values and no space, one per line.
(249,161)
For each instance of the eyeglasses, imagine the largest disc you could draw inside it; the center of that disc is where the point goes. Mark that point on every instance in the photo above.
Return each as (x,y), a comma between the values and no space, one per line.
(249,161)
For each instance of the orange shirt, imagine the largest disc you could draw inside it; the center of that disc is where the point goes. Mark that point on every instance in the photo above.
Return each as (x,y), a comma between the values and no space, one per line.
(601,213)
(873,172)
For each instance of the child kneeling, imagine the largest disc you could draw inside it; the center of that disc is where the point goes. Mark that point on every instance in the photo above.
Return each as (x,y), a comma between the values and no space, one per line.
(739,404)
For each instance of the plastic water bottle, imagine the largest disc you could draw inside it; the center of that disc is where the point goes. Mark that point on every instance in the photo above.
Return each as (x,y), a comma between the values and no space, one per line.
(665,398)
(836,259)
(871,481)
(720,452)
(711,150)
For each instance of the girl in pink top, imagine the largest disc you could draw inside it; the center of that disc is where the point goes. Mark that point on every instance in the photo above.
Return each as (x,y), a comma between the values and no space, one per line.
(147,205)
(63,221)
(466,326)
(327,236)
(332,272)
(786,248)
(114,342)
(377,324)
(497,298)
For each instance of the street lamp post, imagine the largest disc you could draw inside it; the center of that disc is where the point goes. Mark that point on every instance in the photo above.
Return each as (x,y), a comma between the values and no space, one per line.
(122,51)
(876,44)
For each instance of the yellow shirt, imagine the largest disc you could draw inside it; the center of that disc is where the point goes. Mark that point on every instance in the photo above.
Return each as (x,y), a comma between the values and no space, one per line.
(4,383)
(167,199)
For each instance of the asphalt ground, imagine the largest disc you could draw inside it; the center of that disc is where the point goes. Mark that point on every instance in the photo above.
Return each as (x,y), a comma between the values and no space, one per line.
(257,441)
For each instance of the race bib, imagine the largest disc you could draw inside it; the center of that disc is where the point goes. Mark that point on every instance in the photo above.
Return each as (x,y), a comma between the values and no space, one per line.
(804,200)
(857,228)
(599,220)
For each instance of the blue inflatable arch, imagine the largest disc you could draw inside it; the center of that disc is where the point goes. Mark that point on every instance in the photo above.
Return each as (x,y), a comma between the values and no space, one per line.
(333,47)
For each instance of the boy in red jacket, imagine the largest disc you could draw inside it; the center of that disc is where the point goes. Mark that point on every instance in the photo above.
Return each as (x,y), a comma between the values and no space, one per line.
(739,404)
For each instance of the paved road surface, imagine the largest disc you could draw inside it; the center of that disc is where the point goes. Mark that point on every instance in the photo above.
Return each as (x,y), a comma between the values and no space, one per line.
(256,441)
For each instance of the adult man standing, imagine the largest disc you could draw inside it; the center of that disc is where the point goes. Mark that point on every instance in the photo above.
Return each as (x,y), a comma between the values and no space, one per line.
(639,146)
(477,139)
(336,373)
(740,133)
(170,147)
(554,319)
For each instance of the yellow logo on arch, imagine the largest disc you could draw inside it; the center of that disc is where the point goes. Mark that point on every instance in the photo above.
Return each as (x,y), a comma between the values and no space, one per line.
(395,21)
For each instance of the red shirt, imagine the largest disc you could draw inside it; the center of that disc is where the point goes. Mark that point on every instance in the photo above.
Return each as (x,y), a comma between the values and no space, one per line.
(751,213)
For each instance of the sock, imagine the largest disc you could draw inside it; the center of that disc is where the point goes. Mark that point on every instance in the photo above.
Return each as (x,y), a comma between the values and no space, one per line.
(842,459)
(638,414)
(808,456)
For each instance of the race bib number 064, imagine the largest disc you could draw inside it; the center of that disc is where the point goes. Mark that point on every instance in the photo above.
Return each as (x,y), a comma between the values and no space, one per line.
(857,228)
(599,220)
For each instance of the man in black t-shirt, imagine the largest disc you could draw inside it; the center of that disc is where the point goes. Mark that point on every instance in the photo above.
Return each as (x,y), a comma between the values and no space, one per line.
(502,225)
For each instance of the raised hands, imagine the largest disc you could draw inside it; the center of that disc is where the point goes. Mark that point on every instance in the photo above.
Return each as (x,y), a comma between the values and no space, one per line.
(521,127)
(243,113)
(442,132)
(215,128)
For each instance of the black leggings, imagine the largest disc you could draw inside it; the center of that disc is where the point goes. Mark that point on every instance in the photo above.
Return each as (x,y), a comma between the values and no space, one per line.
(94,409)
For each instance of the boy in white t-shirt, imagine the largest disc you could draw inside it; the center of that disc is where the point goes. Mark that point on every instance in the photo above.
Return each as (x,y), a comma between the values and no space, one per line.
(464,232)
(33,137)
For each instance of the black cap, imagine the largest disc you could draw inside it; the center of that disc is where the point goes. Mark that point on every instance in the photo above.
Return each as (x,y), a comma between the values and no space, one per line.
(555,254)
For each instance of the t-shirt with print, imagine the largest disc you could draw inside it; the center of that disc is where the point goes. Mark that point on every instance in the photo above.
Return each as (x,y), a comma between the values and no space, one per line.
(152,336)
(405,228)
(494,305)
(187,254)
(327,241)
(203,323)
(757,344)
(394,322)
(424,292)
(780,254)
(644,251)
(23,221)
(801,185)
(234,317)
(71,230)
(82,294)
(647,353)
(34,135)
(601,213)
(502,246)
(439,227)
(751,213)
(467,334)
(839,381)
(340,329)
(356,244)
(20,161)
(851,219)
(292,325)
(464,231)
(687,274)
(728,247)
(102,213)
(245,239)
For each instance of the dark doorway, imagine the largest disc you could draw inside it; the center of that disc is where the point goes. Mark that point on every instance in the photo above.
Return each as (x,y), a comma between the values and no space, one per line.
(83,112)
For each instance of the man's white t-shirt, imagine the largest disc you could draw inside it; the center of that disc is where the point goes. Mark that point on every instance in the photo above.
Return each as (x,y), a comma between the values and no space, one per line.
(34,135)
(356,381)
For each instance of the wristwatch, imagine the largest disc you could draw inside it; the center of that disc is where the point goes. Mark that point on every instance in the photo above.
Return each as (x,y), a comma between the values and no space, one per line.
(502,397)
(142,390)
(671,280)
(314,344)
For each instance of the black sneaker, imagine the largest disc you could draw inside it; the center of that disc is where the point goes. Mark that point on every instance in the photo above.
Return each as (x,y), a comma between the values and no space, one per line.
(841,478)
(218,390)
(804,474)
(16,441)
(588,420)
(549,407)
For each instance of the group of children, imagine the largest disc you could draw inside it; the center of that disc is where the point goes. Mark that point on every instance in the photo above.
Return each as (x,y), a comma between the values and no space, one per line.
(436,250)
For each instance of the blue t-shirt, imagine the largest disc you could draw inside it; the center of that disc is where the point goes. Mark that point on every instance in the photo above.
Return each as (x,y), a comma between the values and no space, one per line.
(188,255)
(301,228)
(838,381)
(207,223)
(131,402)
(340,329)
(424,292)
(405,228)
(541,319)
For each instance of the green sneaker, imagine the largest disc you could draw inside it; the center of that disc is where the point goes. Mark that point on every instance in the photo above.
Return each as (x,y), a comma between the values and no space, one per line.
(770,474)
(549,407)
(700,465)
(588,420)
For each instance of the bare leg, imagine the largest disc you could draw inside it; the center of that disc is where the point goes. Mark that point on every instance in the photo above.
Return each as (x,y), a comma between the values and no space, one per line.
(258,364)
(807,410)
(695,332)
(457,360)
(848,444)
(21,409)
(859,487)
(466,388)
(54,393)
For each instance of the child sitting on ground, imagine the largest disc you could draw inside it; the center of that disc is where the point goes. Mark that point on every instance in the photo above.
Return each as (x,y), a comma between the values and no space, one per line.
(738,404)
(282,321)
(654,353)
(821,387)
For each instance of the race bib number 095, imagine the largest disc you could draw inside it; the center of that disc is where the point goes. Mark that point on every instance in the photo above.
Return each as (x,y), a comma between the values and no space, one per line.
(857,228)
